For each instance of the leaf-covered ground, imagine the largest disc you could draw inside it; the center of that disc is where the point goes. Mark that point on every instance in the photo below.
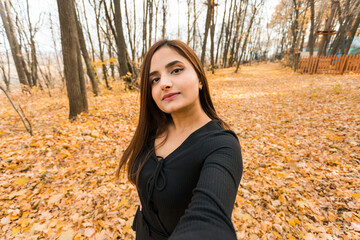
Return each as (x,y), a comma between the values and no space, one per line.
(300,137)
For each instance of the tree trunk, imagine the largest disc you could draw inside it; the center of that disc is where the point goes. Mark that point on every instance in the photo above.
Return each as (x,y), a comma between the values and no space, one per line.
(88,33)
(312,22)
(164,6)
(58,61)
(207,26)
(110,51)
(132,47)
(352,34)
(246,37)
(318,19)
(302,30)
(194,25)
(5,78)
(238,43)
(89,68)
(101,51)
(220,36)
(294,30)
(156,3)
(178,18)
(325,38)
(237,28)
(228,32)
(6,75)
(122,51)
(188,21)
(14,45)
(75,83)
(212,34)
(34,61)
(299,40)
(151,7)
(134,33)
(345,21)
(144,32)
(21,42)
(351,11)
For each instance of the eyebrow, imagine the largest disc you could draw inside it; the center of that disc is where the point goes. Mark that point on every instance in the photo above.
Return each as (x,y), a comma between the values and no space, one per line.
(167,66)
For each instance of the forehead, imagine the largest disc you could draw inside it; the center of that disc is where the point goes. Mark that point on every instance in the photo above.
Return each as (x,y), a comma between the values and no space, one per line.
(163,56)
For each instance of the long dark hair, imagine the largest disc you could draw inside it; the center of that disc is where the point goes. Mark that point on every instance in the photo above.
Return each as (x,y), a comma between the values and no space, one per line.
(153,121)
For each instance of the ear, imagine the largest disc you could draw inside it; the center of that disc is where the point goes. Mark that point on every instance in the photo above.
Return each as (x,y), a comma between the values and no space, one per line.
(200,85)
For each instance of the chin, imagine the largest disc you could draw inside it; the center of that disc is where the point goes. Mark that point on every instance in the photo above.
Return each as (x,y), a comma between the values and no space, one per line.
(170,110)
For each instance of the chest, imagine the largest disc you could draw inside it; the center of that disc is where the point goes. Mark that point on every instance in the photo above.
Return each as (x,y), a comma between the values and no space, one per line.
(164,146)
(170,181)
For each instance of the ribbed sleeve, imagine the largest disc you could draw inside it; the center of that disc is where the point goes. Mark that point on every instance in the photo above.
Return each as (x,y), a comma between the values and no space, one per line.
(208,215)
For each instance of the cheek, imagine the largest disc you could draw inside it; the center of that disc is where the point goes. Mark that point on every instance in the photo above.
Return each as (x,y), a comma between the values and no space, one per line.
(155,95)
(192,85)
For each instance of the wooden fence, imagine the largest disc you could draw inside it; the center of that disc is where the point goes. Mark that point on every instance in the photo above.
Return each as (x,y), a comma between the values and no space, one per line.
(334,64)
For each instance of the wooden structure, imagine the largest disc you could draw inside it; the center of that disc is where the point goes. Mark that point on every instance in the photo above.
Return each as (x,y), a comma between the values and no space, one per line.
(333,64)
(330,32)
(327,33)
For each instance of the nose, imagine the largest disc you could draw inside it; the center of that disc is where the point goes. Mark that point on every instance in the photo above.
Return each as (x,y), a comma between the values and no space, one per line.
(165,83)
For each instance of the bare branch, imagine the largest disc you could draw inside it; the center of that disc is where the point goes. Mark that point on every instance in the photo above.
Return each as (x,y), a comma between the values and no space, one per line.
(24,119)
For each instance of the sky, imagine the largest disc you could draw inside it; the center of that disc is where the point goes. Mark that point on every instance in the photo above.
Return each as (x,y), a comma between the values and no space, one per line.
(177,12)
(40,9)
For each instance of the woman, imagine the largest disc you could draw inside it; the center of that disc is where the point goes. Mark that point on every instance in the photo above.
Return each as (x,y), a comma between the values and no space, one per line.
(184,162)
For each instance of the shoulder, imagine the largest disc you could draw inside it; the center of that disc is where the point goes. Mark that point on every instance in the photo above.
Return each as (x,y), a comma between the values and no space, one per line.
(221,146)
(211,141)
(216,137)
(223,153)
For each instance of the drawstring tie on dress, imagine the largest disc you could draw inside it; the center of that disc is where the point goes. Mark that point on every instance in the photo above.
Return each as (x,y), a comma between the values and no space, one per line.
(156,181)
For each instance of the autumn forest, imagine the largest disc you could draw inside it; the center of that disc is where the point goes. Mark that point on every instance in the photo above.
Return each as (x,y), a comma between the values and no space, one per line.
(69,106)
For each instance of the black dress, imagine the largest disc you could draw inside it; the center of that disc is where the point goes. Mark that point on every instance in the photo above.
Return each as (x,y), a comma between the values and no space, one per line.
(190,194)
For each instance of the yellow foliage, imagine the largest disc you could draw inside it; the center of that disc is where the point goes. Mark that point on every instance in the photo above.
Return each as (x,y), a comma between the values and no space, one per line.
(277,235)
(299,158)
(356,195)
(21,181)
(15,230)
(293,221)
(290,237)
(112,60)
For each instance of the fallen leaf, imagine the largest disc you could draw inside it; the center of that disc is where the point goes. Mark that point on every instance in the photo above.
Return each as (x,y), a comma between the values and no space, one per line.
(68,235)
(21,181)
(89,232)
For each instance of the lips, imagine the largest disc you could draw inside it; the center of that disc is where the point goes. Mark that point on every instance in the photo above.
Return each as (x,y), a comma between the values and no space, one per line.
(169,96)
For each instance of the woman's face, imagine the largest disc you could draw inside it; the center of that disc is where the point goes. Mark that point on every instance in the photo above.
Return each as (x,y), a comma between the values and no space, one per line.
(174,82)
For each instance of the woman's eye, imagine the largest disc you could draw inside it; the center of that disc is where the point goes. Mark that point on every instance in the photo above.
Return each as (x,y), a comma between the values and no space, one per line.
(155,80)
(177,70)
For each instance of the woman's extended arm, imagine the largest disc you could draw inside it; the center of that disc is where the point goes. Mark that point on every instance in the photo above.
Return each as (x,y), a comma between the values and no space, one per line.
(209,213)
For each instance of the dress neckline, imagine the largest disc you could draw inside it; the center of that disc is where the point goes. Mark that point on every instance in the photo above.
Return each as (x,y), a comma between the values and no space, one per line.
(182,144)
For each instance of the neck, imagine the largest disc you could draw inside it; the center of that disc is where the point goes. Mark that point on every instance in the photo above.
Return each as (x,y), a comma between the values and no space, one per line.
(189,120)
